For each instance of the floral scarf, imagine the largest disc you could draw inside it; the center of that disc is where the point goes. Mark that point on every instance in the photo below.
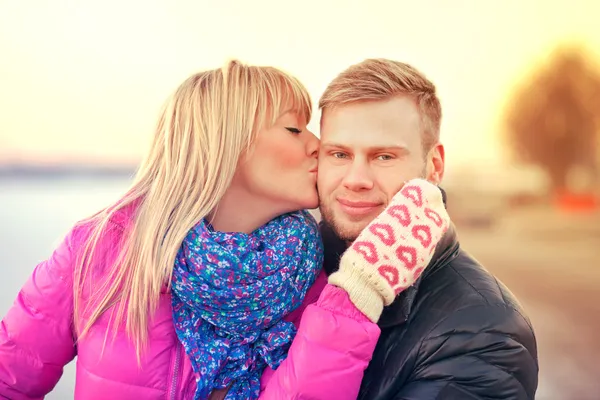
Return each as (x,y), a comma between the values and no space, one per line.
(230,294)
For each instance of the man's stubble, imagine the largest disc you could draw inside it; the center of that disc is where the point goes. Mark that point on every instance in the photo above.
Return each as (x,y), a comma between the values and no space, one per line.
(349,234)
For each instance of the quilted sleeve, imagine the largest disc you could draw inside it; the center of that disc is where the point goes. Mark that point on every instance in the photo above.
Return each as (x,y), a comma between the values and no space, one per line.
(36,335)
(328,357)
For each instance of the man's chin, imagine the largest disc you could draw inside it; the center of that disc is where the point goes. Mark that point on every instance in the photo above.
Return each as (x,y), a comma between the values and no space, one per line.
(347,230)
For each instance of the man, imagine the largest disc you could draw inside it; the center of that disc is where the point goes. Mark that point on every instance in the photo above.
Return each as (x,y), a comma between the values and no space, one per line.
(457,333)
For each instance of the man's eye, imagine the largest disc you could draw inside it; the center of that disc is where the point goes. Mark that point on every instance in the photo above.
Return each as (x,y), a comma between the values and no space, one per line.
(385,157)
(338,154)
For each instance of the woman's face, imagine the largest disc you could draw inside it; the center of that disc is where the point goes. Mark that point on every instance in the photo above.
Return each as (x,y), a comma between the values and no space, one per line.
(281,168)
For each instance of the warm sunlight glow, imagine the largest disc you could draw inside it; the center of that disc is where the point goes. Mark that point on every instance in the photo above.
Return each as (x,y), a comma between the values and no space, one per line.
(83,80)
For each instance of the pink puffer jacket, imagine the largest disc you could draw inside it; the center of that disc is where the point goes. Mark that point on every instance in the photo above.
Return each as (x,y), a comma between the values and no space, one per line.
(327,359)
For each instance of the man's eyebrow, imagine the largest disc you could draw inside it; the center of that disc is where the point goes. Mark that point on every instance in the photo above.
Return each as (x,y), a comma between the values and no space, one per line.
(332,144)
(371,149)
(398,148)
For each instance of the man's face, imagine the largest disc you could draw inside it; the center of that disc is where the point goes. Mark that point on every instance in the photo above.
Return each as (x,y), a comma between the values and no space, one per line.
(368,150)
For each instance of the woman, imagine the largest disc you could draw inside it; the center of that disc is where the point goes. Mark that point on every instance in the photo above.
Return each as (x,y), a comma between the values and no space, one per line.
(213,210)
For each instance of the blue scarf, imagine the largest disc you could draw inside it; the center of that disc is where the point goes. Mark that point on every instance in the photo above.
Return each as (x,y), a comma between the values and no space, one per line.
(230,294)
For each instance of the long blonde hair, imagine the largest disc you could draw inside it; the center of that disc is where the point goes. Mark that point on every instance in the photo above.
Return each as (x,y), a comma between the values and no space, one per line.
(203,130)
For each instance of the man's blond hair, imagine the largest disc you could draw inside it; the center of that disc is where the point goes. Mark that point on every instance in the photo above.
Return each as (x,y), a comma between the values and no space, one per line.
(381,79)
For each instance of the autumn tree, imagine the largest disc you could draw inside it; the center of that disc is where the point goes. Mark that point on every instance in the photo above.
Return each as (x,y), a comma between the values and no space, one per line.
(553,120)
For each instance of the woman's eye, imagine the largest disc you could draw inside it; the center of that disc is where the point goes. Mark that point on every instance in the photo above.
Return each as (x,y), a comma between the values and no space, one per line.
(293,130)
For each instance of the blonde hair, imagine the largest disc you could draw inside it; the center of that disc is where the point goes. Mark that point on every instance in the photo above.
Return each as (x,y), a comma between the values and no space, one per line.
(203,130)
(380,79)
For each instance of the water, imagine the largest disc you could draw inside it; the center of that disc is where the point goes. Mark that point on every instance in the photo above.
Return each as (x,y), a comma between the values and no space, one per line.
(35,214)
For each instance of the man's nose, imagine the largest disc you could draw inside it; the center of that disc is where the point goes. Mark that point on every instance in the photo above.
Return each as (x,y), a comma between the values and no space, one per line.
(358,177)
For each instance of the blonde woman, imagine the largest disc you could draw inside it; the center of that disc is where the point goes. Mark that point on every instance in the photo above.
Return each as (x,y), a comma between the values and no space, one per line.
(192,285)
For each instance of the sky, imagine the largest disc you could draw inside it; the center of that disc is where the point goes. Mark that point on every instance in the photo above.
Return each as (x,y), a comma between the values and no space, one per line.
(84,80)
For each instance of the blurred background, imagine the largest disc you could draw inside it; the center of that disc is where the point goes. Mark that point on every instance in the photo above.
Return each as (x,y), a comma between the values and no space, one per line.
(81,83)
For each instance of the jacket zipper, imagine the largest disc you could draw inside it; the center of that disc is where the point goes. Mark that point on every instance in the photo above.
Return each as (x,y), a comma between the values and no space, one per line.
(175,374)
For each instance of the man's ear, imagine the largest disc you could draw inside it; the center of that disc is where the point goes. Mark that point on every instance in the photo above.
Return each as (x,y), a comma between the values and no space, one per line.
(435,163)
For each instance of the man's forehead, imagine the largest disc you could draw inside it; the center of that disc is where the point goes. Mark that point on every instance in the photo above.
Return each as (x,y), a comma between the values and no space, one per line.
(368,136)
(394,122)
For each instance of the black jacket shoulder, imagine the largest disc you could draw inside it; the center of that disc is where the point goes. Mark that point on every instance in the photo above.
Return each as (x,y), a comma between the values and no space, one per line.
(465,336)
(457,333)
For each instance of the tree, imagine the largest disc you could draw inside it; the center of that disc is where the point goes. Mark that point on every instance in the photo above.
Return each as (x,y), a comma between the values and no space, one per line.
(553,120)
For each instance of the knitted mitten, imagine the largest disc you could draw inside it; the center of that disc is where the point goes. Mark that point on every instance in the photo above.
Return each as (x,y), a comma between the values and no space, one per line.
(393,250)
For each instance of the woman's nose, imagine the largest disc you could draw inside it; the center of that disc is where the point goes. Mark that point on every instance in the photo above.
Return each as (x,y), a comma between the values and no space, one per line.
(312,147)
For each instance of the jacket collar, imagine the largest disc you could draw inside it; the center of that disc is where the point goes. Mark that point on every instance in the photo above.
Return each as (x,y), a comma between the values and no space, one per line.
(396,313)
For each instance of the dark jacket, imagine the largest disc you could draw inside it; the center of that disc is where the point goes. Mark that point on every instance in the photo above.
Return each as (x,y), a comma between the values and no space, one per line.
(457,333)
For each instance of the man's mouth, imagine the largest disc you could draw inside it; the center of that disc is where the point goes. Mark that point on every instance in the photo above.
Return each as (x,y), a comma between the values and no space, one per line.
(357,208)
